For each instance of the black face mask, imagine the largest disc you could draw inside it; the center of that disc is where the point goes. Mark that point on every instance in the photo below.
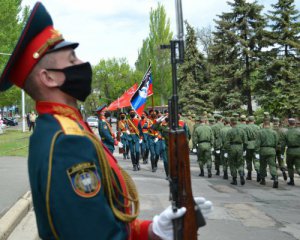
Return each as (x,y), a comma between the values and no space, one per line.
(143,117)
(123,118)
(107,114)
(132,115)
(78,80)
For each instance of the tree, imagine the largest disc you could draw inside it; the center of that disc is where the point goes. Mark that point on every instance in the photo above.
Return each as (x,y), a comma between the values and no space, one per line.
(243,32)
(160,59)
(12,20)
(110,79)
(279,88)
(193,89)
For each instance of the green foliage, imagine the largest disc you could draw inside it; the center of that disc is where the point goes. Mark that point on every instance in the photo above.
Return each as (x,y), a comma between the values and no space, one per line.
(278,88)
(160,59)
(193,89)
(236,52)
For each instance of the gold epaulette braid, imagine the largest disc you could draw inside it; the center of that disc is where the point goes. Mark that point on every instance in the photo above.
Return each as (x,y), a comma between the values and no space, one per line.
(109,182)
(112,188)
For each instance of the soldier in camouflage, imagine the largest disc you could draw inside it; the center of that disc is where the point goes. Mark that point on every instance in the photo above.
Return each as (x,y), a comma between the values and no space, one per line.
(291,141)
(224,153)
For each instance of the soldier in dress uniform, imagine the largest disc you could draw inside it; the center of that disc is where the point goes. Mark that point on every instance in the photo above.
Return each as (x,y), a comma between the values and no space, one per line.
(144,128)
(78,189)
(153,134)
(235,145)
(291,141)
(105,130)
(124,134)
(135,138)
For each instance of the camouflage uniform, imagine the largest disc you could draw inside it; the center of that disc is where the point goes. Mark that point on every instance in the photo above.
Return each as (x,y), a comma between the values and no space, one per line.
(235,144)
(280,155)
(217,142)
(203,138)
(291,140)
(251,132)
(224,154)
(265,147)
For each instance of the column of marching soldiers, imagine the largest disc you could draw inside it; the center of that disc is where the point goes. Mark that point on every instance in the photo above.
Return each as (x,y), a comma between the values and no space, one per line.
(232,144)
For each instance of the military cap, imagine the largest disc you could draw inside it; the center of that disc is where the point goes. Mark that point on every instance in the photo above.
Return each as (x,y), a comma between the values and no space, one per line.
(204,113)
(201,118)
(132,110)
(37,39)
(275,119)
(251,118)
(292,120)
(211,120)
(101,108)
(266,114)
(235,114)
(218,116)
(122,114)
(226,120)
(243,117)
(233,120)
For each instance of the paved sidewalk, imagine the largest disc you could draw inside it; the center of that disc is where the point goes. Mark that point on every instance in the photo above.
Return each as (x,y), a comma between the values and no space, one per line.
(249,212)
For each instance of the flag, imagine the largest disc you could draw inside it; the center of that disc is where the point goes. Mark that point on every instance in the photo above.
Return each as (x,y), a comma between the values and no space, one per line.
(124,100)
(145,89)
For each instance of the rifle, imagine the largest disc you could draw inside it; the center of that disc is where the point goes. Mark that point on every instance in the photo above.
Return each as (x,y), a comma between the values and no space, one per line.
(179,163)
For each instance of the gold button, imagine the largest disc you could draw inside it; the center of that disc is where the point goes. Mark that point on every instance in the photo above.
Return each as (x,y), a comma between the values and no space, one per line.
(36,55)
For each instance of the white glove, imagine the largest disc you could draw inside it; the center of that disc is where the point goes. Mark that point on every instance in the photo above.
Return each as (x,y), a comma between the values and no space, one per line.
(121,134)
(120,145)
(257,156)
(194,150)
(155,140)
(162,224)
(160,119)
(218,151)
(225,155)
(205,206)
(212,149)
(141,140)
(282,156)
(244,153)
(127,131)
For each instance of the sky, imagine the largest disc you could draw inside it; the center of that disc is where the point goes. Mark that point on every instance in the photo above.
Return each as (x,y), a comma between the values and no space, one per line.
(117,28)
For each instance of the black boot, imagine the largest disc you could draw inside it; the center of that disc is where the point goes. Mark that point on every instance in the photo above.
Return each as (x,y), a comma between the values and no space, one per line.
(275,183)
(234,181)
(249,176)
(124,155)
(291,182)
(225,176)
(218,172)
(201,174)
(153,165)
(135,168)
(137,162)
(284,175)
(242,180)
(156,161)
(258,178)
(209,173)
(263,181)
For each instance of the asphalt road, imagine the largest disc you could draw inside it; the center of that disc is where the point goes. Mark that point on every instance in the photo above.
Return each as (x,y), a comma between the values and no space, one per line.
(14,181)
(249,212)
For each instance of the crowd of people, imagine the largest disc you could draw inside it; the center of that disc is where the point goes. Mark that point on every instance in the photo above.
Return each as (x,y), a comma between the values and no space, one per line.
(234,143)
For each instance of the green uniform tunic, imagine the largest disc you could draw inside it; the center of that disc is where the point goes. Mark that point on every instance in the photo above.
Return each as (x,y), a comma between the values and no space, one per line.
(235,144)
(251,133)
(265,146)
(291,140)
(204,139)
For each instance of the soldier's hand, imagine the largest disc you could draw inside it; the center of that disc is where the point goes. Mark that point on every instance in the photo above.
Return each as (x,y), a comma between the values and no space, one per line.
(205,206)
(257,156)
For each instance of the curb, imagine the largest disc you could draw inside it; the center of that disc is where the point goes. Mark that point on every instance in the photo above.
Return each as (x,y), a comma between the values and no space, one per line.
(14,215)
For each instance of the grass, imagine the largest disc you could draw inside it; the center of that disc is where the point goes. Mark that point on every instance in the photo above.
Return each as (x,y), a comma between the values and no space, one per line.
(14,143)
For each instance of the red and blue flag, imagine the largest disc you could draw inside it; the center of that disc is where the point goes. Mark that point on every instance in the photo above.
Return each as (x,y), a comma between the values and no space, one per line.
(139,98)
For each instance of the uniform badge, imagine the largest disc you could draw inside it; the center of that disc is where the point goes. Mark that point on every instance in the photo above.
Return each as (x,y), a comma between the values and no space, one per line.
(84,179)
